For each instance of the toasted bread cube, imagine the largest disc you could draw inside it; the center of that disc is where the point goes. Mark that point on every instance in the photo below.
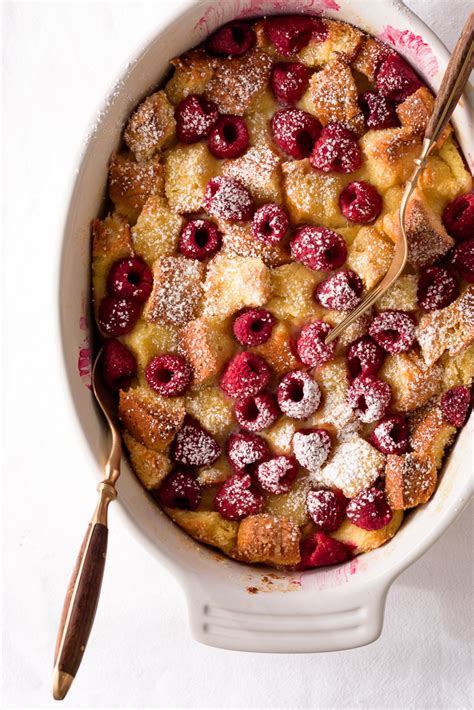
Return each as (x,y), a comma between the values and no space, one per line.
(277,350)
(208,527)
(132,183)
(238,240)
(401,296)
(431,435)
(188,169)
(311,196)
(448,329)
(445,176)
(258,118)
(233,283)
(237,81)
(333,381)
(370,56)
(259,171)
(293,288)
(360,540)
(458,369)
(370,255)
(416,110)
(280,435)
(389,154)
(410,480)
(151,127)
(212,409)
(268,539)
(152,420)
(293,504)
(217,473)
(411,381)
(207,344)
(334,96)
(177,290)
(151,467)
(426,235)
(355,465)
(192,73)
(111,241)
(157,230)
(147,340)
(343,40)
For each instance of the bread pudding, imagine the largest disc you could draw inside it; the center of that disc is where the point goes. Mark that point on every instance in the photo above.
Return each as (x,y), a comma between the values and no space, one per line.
(252,204)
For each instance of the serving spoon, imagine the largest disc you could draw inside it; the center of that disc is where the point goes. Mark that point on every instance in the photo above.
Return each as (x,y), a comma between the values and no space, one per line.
(454,80)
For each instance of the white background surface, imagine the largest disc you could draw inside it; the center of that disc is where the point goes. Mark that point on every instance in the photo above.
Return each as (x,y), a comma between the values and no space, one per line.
(60,60)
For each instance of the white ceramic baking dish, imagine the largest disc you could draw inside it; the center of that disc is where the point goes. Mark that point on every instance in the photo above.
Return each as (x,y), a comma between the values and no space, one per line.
(231,605)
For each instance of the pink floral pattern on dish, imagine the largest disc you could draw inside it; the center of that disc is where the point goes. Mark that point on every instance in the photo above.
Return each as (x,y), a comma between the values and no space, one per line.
(413,47)
(84,360)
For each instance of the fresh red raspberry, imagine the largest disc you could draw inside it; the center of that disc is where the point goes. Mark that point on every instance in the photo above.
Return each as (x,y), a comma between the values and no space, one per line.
(180,490)
(229,137)
(289,81)
(379,112)
(326,508)
(130,279)
(277,474)
(195,117)
(369,510)
(290,33)
(390,436)
(253,327)
(364,357)
(246,451)
(199,239)
(360,202)
(295,131)
(270,224)
(117,316)
(458,217)
(462,258)
(396,80)
(169,374)
(311,448)
(257,412)
(231,40)
(194,446)
(369,398)
(298,395)
(320,550)
(393,330)
(455,405)
(245,374)
(228,199)
(437,288)
(340,291)
(237,498)
(336,150)
(310,346)
(319,248)
(119,366)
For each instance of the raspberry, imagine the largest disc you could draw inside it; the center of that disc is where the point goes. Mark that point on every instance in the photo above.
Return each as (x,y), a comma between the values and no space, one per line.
(117,316)
(231,40)
(390,436)
(364,357)
(327,509)
(229,137)
(228,199)
(396,80)
(437,288)
(458,217)
(455,405)
(169,375)
(245,451)
(256,413)
(360,202)
(295,131)
(298,395)
(119,366)
(289,81)
(194,446)
(320,550)
(336,150)
(254,326)
(311,448)
(246,374)
(379,111)
(195,117)
(130,279)
(199,239)
(310,346)
(369,398)
(270,224)
(290,33)
(237,498)
(319,248)
(180,490)
(393,330)
(462,258)
(369,510)
(340,291)
(277,474)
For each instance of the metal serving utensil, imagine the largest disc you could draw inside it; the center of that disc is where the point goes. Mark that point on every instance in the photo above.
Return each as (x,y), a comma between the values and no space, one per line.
(83,592)
(454,80)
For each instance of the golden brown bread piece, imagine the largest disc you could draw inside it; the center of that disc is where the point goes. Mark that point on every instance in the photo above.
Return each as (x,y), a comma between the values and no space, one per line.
(132,183)
(268,539)
(410,480)
(150,466)
(370,56)
(238,240)
(151,127)
(364,540)
(258,169)
(411,381)
(237,81)
(233,283)
(449,329)
(212,409)
(293,287)
(311,196)
(388,155)
(111,241)
(343,42)
(431,435)
(334,97)
(370,255)
(177,289)
(207,346)
(277,350)
(188,169)
(192,73)
(427,238)
(208,527)
(416,110)
(157,229)
(152,420)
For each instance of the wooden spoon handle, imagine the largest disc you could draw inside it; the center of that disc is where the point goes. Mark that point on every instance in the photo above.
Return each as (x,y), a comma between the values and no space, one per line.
(454,80)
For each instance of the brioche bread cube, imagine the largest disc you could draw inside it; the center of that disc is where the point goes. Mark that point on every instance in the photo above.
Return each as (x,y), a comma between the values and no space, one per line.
(343,39)
(258,117)
(426,235)
(212,409)
(458,369)
(208,527)
(217,473)
(111,241)
(411,381)
(311,196)
(388,155)
(151,467)
(364,540)
(448,329)
(415,111)
(293,504)
(149,339)
(268,539)
(151,126)
(258,169)
(280,435)
(177,290)
(233,283)
(152,420)
(207,345)
(188,169)
(277,350)
(370,56)
(354,465)
(370,255)
(132,183)
(334,97)
(238,240)
(157,230)
(192,73)
(293,288)
(431,435)
(445,176)
(401,296)
(410,480)
(334,412)
(237,81)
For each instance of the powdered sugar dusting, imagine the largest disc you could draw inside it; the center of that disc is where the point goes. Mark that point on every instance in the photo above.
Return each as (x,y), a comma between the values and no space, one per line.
(354,466)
